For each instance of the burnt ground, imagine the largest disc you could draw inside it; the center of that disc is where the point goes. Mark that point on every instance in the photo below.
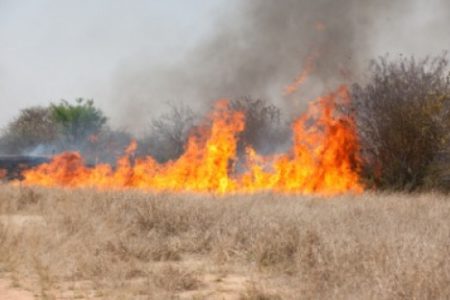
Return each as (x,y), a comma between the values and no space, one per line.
(12,166)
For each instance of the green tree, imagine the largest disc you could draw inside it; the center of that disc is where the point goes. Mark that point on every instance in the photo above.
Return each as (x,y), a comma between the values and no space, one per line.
(78,121)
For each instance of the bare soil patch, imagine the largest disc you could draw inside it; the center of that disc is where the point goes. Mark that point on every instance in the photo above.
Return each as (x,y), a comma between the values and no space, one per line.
(8,292)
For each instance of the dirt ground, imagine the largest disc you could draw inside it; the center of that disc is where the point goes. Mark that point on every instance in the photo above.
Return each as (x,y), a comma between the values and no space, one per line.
(9,292)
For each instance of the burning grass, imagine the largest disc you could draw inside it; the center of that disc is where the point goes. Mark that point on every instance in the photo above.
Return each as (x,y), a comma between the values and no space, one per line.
(323,159)
(132,245)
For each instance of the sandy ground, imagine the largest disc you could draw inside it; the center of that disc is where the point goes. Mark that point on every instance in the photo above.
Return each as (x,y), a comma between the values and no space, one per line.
(8,292)
(21,221)
(213,287)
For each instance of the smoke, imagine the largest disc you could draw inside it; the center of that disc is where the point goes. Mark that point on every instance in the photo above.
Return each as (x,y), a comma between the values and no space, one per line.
(263,46)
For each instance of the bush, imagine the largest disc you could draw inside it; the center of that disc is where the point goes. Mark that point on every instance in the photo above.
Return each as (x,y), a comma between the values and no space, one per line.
(263,127)
(33,127)
(403,120)
(77,122)
(168,133)
(60,127)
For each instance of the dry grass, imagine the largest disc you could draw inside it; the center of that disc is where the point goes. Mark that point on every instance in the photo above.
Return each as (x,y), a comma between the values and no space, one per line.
(85,244)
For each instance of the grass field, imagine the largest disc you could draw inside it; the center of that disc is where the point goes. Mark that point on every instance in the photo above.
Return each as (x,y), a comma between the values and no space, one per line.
(83,244)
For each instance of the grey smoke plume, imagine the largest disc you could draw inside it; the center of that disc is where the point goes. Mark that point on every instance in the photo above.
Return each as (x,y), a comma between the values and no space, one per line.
(263,46)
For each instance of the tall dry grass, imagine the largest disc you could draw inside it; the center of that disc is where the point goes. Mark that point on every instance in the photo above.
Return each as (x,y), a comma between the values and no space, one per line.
(75,244)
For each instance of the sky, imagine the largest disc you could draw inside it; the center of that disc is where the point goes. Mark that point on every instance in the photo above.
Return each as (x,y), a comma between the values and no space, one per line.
(112,50)
(52,50)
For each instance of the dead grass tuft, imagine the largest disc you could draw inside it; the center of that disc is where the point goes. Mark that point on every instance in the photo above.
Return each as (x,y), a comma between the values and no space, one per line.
(172,278)
(131,245)
(254,292)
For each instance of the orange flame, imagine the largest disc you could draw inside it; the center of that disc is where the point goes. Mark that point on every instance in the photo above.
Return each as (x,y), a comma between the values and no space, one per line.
(310,65)
(323,160)
(3,173)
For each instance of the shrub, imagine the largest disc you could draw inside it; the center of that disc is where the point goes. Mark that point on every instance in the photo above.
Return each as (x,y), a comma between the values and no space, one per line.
(77,122)
(168,133)
(33,127)
(60,127)
(403,120)
(263,127)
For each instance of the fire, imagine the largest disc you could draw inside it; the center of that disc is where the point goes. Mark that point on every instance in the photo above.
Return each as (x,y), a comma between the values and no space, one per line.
(323,159)
(309,67)
(3,173)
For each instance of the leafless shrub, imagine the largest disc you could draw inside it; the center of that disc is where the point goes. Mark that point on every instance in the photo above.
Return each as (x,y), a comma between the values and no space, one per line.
(168,133)
(34,126)
(403,119)
(264,129)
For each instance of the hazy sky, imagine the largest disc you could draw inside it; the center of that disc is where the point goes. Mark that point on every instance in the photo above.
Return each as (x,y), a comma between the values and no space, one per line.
(54,49)
(51,49)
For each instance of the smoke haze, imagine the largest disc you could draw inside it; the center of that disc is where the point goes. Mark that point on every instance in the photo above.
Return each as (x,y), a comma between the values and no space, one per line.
(240,48)
(263,45)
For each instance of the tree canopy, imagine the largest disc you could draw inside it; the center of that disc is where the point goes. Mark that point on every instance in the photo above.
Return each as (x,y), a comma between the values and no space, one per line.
(78,121)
